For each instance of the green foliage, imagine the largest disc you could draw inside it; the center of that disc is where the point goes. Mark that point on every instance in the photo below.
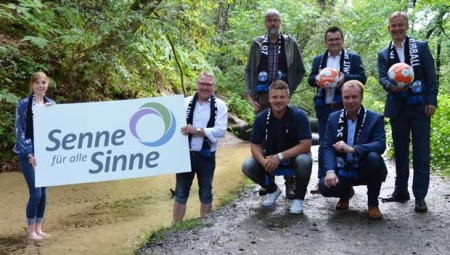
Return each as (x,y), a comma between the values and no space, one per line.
(439,140)
(374,95)
(104,50)
(38,41)
(7,97)
(440,136)
(241,107)
(7,137)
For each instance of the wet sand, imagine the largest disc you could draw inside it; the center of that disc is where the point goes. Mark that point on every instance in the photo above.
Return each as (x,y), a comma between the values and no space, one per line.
(107,217)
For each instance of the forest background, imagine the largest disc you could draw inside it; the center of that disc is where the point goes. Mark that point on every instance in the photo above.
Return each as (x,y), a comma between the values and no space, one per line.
(97,50)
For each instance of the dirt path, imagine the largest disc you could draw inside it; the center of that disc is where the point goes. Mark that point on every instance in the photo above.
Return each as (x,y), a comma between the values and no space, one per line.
(245,227)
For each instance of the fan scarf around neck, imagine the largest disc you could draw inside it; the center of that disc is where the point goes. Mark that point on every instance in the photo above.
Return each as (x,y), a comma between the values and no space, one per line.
(413,94)
(279,68)
(284,141)
(344,67)
(344,168)
(206,146)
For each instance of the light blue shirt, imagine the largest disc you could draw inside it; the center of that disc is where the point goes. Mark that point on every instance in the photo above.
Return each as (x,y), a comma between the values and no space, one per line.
(351,128)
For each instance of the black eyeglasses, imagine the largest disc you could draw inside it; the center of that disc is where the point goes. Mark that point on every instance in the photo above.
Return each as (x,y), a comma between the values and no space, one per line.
(207,85)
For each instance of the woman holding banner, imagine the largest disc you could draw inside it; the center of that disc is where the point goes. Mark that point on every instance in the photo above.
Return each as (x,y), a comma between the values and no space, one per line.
(25,150)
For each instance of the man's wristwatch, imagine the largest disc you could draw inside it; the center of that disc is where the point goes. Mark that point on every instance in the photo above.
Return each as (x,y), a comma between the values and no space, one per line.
(198,131)
(280,156)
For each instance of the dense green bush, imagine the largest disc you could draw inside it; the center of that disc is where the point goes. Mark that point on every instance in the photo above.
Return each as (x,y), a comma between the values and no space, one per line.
(7,137)
(440,136)
(107,50)
(239,105)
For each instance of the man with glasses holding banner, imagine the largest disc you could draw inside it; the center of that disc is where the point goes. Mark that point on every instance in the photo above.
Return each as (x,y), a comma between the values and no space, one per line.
(207,118)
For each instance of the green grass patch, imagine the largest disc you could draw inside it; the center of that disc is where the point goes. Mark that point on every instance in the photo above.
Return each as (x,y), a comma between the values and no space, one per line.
(160,234)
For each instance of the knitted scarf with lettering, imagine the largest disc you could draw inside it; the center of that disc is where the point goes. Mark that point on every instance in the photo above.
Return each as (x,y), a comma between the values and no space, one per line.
(279,63)
(342,130)
(413,93)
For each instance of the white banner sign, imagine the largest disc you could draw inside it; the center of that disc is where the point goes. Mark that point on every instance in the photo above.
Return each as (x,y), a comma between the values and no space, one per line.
(92,142)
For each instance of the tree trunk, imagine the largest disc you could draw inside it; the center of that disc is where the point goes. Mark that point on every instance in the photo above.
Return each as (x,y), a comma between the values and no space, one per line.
(180,68)
(438,61)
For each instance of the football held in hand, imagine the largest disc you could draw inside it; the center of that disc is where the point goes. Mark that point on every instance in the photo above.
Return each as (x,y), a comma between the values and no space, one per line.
(328,78)
(401,75)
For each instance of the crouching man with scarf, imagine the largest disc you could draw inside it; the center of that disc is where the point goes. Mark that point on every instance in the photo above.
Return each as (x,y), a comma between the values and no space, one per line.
(353,144)
(409,109)
(207,118)
(281,138)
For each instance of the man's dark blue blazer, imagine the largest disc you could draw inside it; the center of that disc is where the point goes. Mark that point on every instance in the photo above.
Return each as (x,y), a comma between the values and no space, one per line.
(371,139)
(356,71)
(429,81)
(411,120)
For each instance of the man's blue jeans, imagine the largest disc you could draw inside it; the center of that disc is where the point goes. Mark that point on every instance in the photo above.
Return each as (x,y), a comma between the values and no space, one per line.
(303,165)
(38,196)
(204,168)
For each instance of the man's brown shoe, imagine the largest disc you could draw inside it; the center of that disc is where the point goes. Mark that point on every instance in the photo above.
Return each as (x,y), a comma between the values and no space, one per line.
(342,204)
(374,213)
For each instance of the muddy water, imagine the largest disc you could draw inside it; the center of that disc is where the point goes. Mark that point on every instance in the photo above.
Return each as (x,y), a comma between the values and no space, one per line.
(108,217)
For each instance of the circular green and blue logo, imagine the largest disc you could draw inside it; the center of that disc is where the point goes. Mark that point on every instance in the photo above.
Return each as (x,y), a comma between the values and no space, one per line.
(158,110)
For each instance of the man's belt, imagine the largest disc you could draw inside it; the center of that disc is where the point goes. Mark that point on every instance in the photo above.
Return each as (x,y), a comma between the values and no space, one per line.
(333,106)
(198,154)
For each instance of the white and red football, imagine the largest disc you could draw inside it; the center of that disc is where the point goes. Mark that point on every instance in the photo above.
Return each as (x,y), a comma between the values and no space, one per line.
(328,78)
(401,75)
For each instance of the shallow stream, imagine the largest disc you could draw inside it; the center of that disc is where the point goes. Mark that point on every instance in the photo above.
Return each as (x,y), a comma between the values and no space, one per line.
(107,217)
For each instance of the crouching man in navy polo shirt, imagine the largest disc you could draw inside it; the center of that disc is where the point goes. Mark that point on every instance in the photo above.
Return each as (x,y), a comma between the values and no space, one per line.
(281,139)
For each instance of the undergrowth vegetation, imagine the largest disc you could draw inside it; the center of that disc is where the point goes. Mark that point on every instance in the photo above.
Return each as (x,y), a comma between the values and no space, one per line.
(97,50)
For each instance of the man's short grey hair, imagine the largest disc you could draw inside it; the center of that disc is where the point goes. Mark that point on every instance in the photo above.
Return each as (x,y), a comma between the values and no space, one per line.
(207,73)
(271,13)
(398,14)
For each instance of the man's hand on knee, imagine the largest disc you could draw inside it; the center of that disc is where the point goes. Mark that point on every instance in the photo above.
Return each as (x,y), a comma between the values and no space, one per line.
(331,179)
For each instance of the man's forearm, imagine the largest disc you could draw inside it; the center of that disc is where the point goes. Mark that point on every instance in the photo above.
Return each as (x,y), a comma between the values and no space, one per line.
(304,146)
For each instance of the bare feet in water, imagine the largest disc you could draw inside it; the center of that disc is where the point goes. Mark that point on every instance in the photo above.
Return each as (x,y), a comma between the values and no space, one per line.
(42,234)
(34,236)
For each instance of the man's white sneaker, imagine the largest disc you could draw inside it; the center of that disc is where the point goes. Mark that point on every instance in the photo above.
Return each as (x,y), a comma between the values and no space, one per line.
(297,206)
(271,197)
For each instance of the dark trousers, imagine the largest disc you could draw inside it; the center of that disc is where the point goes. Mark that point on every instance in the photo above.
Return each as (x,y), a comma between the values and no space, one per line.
(263,101)
(412,122)
(303,162)
(372,173)
(322,119)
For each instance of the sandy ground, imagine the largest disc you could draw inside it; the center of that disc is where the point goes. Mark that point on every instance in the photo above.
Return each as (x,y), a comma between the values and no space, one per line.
(108,217)
(246,227)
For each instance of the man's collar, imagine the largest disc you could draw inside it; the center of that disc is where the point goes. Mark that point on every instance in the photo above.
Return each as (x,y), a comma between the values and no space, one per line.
(339,54)
(401,46)
(207,100)
(357,114)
